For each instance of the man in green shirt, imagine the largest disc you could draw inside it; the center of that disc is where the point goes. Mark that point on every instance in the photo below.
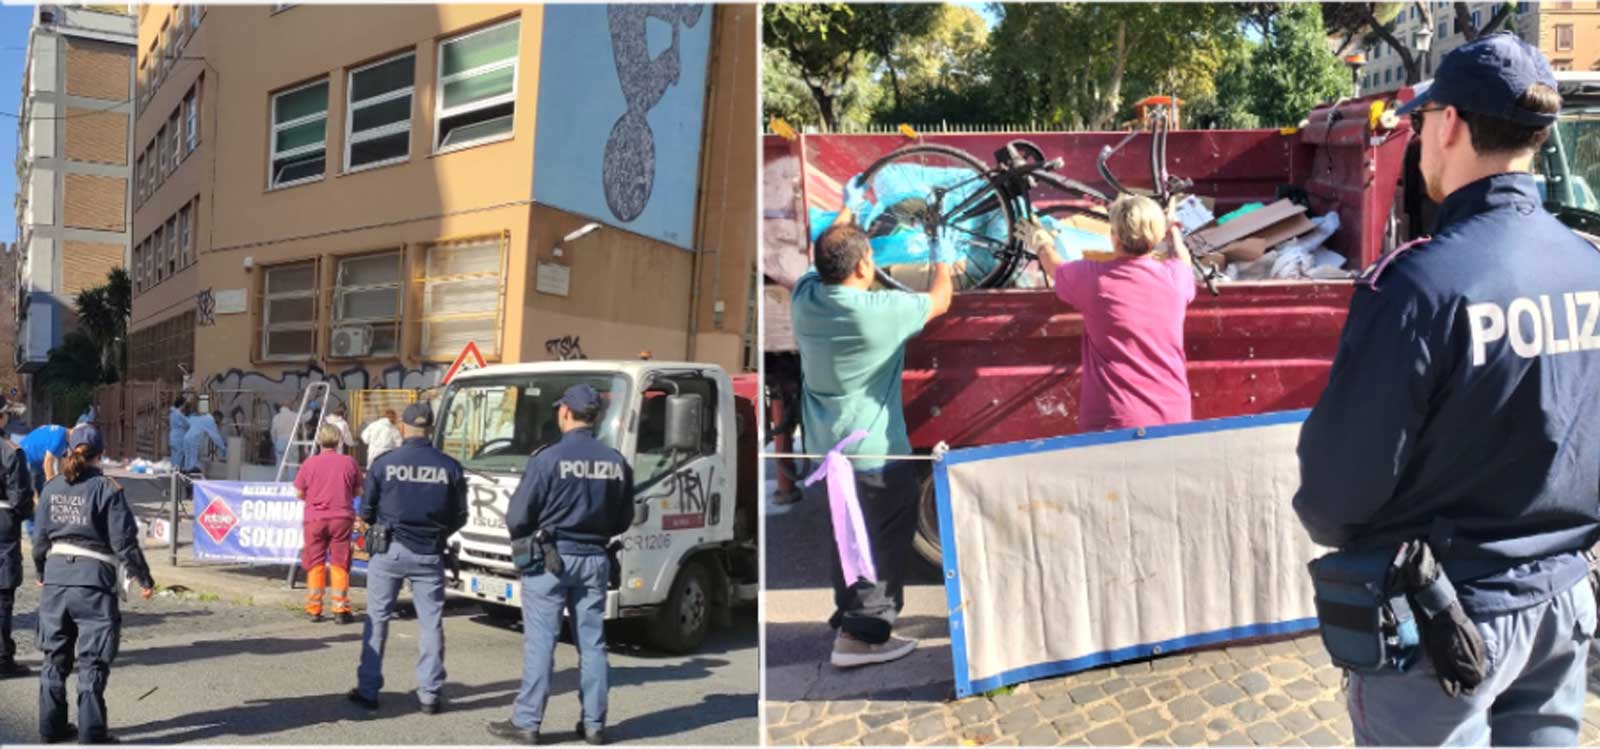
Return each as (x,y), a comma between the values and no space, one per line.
(852,351)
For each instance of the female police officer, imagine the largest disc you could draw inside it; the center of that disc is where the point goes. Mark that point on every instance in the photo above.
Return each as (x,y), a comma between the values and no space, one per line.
(84,527)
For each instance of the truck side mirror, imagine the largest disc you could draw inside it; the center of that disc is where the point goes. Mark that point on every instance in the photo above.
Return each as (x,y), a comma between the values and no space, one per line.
(683,423)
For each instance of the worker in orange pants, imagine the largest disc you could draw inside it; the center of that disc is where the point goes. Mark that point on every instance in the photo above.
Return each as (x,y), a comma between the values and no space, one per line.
(328,483)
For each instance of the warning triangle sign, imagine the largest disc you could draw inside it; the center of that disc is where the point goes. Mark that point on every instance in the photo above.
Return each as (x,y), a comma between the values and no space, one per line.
(469,360)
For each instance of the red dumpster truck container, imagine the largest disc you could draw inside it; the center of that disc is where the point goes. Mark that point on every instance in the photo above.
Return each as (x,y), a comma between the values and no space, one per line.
(1004,365)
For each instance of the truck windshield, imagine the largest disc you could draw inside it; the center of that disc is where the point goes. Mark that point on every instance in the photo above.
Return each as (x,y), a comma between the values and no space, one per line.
(1578,135)
(494,424)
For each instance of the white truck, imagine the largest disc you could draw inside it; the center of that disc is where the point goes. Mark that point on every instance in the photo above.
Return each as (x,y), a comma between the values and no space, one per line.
(688,431)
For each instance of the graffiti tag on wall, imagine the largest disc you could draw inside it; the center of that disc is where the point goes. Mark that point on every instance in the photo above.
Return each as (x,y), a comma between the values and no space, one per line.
(565,348)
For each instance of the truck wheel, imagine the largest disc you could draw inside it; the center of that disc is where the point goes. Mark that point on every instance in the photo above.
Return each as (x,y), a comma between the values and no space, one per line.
(681,625)
(502,615)
(927,541)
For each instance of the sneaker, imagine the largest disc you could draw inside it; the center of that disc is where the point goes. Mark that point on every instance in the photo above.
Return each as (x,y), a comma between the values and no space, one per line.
(316,618)
(102,739)
(71,734)
(358,698)
(10,669)
(432,708)
(848,652)
(510,731)
(595,737)
(343,617)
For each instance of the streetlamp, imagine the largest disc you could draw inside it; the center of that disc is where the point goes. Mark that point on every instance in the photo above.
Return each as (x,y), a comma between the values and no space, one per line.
(1355,62)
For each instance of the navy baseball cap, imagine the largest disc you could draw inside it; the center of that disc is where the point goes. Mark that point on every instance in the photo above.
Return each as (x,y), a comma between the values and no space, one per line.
(581,399)
(419,415)
(87,435)
(1487,76)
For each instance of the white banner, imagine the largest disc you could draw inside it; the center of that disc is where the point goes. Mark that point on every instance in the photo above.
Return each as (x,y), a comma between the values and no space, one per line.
(1069,553)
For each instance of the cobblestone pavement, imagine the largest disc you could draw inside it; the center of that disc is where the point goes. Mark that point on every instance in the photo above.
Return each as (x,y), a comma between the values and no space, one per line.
(1283,693)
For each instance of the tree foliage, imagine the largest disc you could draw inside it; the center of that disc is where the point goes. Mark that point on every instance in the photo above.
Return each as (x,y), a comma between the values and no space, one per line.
(103,319)
(1292,71)
(829,43)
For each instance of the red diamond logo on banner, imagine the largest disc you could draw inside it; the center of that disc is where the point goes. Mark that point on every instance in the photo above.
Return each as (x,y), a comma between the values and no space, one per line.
(217,520)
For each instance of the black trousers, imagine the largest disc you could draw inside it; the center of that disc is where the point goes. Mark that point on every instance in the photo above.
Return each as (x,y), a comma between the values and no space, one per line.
(82,624)
(867,611)
(8,602)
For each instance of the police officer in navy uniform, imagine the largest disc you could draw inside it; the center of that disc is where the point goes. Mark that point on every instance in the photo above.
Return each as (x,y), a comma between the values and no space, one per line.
(1463,408)
(83,530)
(416,496)
(580,492)
(16,508)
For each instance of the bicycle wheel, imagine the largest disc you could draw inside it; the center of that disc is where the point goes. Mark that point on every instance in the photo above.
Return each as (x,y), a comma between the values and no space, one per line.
(919,189)
(1057,187)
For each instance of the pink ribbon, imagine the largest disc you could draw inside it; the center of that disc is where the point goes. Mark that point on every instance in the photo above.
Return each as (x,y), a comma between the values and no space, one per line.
(849,525)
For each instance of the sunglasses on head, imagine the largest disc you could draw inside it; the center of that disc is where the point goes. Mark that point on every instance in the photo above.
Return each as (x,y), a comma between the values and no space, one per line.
(1416,117)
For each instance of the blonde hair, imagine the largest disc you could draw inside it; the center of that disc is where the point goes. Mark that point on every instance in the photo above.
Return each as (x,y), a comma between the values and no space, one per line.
(1137,224)
(328,436)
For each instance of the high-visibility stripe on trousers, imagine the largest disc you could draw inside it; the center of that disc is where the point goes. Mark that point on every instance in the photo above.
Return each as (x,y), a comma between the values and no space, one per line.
(316,587)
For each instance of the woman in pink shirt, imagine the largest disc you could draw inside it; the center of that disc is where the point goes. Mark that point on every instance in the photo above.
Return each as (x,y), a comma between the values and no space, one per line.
(1133,306)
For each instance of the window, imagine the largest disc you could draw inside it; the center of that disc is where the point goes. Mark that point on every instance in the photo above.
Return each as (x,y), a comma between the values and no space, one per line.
(163,156)
(299,135)
(1563,6)
(289,312)
(138,268)
(191,119)
(157,241)
(169,251)
(1561,64)
(195,11)
(367,294)
(477,98)
(1444,30)
(461,287)
(1477,19)
(183,237)
(175,132)
(1564,36)
(493,424)
(378,130)
(138,176)
(652,460)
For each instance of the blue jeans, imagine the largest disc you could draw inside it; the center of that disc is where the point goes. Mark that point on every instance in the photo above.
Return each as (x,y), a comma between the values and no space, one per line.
(385,573)
(1533,696)
(581,587)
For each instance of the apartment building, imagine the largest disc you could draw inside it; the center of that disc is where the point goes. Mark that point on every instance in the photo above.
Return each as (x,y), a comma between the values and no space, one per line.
(1567,32)
(354,193)
(73,170)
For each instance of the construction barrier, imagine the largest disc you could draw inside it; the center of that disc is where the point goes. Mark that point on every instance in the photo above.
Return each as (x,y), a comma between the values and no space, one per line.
(1069,553)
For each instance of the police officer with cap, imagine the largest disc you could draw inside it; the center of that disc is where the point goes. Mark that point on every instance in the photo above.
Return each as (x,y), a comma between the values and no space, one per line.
(579,492)
(415,498)
(84,529)
(1463,411)
(16,508)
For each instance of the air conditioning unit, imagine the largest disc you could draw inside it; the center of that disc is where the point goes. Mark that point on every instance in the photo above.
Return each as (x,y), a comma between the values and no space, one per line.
(352,341)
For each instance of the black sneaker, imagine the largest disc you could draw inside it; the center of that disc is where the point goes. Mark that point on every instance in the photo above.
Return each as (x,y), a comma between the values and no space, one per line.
(11,669)
(505,729)
(317,618)
(432,708)
(71,734)
(595,737)
(102,739)
(358,698)
(343,617)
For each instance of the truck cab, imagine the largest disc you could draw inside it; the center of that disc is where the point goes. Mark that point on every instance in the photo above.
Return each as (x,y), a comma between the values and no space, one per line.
(691,553)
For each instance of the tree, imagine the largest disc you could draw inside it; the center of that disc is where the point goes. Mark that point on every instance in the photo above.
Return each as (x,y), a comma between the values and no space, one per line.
(103,316)
(1293,71)
(828,44)
(1233,104)
(1078,64)
(1470,31)
(939,75)
(1365,20)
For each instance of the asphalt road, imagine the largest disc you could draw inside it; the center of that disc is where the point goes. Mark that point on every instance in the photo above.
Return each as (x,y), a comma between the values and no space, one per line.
(799,600)
(214,672)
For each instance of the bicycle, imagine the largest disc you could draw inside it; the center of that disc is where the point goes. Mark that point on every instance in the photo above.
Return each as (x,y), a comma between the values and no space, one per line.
(920,188)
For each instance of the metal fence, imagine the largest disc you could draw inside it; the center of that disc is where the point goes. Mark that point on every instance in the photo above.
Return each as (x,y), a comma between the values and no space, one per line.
(931,128)
(133,418)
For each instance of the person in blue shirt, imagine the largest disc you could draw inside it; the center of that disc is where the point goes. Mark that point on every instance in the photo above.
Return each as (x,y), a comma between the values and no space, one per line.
(418,495)
(201,428)
(580,492)
(177,427)
(45,446)
(1463,409)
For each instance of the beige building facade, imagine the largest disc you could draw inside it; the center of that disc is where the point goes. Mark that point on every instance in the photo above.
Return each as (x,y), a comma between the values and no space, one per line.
(1567,32)
(356,207)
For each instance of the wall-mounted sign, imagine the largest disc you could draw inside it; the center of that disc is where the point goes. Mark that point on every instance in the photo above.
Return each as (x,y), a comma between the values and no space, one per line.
(553,278)
(230,302)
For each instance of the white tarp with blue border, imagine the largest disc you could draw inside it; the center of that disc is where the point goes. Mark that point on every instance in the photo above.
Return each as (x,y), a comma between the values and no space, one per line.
(1068,553)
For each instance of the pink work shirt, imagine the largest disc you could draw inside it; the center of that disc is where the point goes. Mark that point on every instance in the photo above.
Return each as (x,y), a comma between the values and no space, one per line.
(330,482)
(1134,371)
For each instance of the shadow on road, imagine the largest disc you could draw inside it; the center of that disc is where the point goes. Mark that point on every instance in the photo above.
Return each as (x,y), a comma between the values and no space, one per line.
(713,709)
(28,620)
(203,649)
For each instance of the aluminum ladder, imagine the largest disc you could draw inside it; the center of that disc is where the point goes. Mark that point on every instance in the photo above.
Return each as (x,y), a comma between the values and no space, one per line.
(318,393)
